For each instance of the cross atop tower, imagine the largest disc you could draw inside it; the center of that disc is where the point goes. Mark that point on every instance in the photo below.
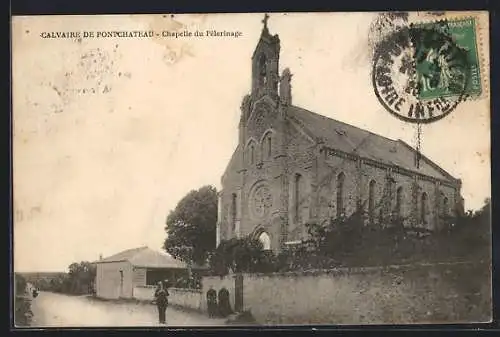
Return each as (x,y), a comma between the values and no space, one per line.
(264,21)
(265,60)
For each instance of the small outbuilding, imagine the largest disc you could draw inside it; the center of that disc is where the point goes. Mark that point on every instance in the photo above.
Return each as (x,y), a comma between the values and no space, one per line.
(134,273)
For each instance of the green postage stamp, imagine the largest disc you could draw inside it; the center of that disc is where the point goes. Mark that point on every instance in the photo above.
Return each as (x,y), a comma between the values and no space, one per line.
(449,66)
(422,71)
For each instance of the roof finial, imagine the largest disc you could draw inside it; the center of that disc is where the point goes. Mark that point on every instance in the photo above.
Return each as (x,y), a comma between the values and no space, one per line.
(264,21)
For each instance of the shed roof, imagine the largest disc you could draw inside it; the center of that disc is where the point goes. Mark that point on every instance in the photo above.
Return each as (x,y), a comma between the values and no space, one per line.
(148,258)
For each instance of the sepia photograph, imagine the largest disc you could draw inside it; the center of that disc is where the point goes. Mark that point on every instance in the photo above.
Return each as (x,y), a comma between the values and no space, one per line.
(251,169)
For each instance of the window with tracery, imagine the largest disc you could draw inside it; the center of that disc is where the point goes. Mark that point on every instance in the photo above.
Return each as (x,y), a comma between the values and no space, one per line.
(261,201)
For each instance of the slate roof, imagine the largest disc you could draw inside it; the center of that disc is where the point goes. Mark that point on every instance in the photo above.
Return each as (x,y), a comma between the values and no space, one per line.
(351,139)
(147,258)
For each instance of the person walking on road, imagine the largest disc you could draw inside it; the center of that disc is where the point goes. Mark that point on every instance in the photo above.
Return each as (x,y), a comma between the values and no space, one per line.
(161,299)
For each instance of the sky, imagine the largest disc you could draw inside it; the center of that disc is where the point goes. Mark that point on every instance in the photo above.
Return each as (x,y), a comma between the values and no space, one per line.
(109,134)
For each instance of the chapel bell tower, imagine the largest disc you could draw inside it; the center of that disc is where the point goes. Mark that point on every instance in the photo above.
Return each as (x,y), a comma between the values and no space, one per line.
(265,63)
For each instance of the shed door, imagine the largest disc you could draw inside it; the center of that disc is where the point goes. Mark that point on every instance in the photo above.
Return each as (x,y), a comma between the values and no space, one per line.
(121,283)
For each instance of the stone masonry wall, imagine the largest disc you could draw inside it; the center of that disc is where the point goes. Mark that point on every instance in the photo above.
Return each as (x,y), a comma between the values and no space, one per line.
(439,293)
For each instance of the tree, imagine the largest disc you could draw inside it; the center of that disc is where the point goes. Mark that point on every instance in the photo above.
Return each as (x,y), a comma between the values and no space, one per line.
(22,305)
(470,233)
(242,255)
(81,277)
(20,285)
(191,226)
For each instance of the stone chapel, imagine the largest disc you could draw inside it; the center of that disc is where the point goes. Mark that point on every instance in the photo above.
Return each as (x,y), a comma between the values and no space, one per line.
(294,166)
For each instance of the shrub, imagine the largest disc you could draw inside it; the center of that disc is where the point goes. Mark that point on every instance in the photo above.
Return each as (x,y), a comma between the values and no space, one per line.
(352,241)
(243,255)
(22,303)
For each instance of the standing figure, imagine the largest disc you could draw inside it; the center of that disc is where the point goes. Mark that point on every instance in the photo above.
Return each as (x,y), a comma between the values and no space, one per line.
(212,302)
(161,299)
(224,304)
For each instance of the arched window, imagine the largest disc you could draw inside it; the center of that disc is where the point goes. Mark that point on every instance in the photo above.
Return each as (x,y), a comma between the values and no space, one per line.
(262,69)
(371,201)
(233,210)
(340,194)
(265,240)
(298,180)
(267,146)
(251,153)
(446,206)
(399,200)
(423,209)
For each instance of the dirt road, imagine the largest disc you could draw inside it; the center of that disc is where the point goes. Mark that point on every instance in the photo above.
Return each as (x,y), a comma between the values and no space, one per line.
(57,310)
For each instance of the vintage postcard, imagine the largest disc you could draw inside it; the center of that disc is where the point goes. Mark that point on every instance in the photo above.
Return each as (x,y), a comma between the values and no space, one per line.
(251,169)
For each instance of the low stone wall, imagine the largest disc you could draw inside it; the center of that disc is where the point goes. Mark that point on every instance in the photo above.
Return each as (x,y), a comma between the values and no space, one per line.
(186,298)
(217,282)
(437,293)
(144,293)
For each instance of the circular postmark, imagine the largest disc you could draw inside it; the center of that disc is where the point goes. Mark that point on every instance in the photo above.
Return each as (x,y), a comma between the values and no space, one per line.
(420,74)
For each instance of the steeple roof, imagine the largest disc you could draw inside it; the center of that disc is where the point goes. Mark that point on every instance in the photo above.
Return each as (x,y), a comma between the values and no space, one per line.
(265,36)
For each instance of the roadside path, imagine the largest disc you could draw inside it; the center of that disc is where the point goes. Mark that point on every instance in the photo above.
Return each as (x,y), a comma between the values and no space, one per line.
(58,310)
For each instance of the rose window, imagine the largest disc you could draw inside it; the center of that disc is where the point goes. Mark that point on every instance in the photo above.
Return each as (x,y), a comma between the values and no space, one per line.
(262,201)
